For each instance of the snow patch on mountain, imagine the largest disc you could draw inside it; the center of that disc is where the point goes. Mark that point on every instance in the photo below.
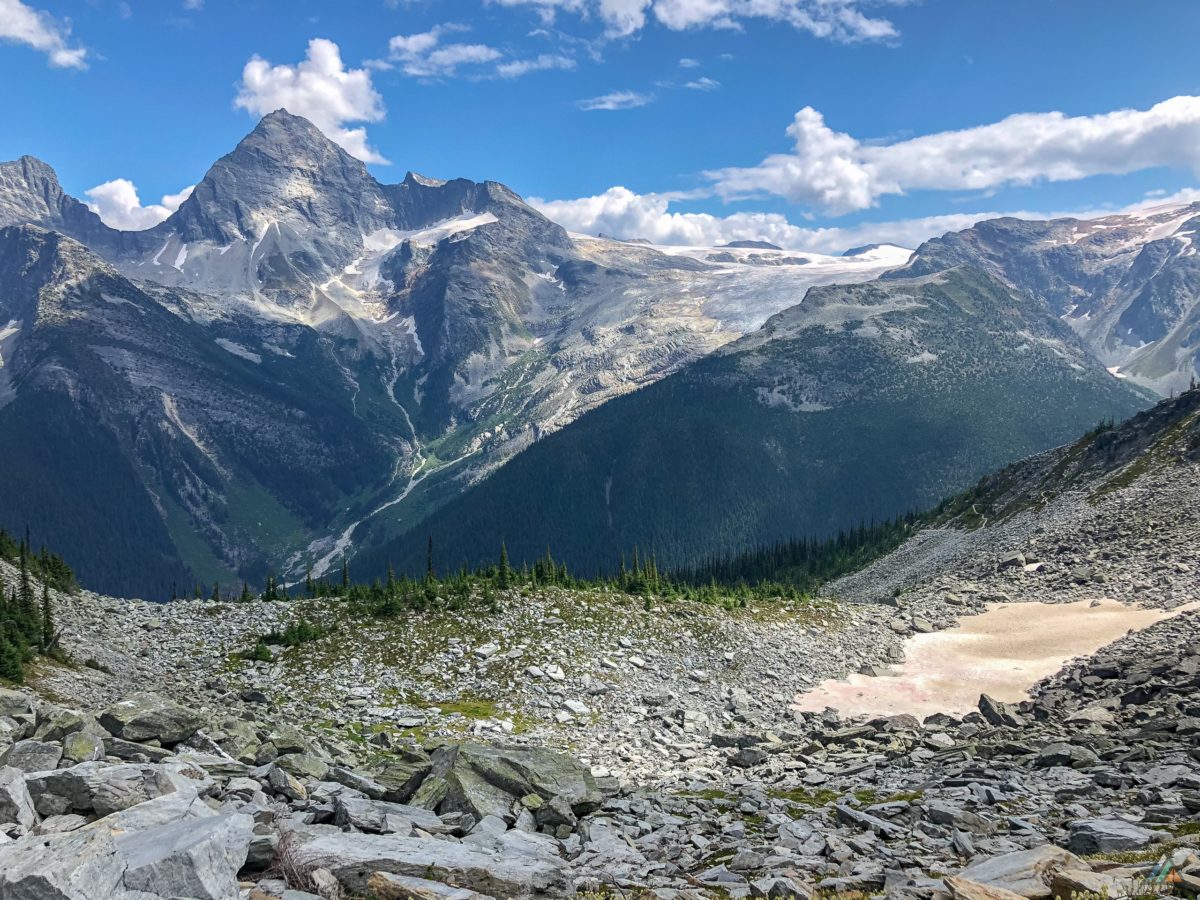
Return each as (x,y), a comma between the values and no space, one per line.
(238,350)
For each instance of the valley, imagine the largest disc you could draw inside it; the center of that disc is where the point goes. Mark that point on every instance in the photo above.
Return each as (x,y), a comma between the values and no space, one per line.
(680,771)
(449,326)
(599,450)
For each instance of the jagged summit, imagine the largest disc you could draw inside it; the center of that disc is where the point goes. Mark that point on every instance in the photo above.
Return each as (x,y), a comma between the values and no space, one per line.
(31,193)
(1128,284)
(285,171)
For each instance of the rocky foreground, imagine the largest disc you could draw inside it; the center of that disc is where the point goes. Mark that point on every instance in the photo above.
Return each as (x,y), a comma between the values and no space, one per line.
(1085,788)
(563,743)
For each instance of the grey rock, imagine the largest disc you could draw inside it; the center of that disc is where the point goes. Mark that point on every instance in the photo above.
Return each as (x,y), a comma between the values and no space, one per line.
(195,858)
(386,886)
(16,806)
(32,755)
(1106,835)
(146,717)
(101,787)
(1027,872)
(353,858)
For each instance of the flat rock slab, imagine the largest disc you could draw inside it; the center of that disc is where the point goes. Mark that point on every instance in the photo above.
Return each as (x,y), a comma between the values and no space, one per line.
(1109,835)
(354,858)
(1026,872)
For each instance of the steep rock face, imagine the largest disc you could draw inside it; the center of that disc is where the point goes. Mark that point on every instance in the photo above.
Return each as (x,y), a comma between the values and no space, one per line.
(285,172)
(30,194)
(114,409)
(1128,284)
(444,324)
(861,403)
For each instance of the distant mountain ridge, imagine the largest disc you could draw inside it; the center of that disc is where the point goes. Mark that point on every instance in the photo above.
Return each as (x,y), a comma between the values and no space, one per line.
(859,404)
(351,354)
(1128,284)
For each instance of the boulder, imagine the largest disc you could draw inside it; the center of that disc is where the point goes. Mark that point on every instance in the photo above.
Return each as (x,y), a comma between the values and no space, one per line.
(1027,873)
(100,787)
(354,858)
(80,746)
(16,806)
(78,865)
(998,714)
(196,858)
(1067,755)
(149,717)
(304,765)
(486,780)
(32,756)
(283,782)
(55,723)
(15,704)
(171,846)
(1086,883)
(1108,835)
(379,816)
(386,886)
(965,889)
(402,774)
(1012,561)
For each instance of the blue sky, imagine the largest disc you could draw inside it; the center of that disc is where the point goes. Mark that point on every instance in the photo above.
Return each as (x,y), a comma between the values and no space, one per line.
(521,91)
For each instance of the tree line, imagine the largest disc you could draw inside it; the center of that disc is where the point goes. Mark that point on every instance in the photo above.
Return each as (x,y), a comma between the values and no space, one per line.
(27,625)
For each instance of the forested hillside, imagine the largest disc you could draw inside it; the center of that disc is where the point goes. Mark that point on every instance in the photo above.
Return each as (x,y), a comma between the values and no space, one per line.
(859,405)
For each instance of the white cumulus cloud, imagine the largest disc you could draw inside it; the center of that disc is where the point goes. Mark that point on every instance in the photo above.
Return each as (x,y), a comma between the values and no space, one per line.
(22,24)
(838,173)
(616,100)
(117,203)
(321,89)
(622,213)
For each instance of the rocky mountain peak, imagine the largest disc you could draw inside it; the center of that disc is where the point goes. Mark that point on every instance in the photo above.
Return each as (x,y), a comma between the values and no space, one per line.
(30,193)
(284,172)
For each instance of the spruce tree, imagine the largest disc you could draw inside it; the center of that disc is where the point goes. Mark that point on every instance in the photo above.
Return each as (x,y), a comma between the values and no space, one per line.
(47,619)
(345,575)
(216,594)
(503,573)
(429,574)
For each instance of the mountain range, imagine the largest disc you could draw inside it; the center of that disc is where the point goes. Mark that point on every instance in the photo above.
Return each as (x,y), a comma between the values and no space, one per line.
(303,364)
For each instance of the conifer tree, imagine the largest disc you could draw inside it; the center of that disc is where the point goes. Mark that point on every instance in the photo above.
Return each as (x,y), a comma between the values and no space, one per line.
(429,574)
(47,619)
(345,574)
(503,573)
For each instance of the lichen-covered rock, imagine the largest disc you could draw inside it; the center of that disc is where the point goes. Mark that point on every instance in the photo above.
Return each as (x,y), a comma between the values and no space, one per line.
(149,717)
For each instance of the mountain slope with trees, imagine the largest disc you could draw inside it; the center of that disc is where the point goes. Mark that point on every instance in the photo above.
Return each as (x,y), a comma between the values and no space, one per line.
(859,405)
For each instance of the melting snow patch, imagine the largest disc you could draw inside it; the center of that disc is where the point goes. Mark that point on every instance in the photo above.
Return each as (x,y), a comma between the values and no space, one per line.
(1115,372)
(410,327)
(239,350)
(923,357)
(181,257)
(117,301)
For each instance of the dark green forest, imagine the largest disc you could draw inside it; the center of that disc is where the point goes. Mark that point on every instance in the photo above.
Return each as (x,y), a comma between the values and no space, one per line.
(27,612)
